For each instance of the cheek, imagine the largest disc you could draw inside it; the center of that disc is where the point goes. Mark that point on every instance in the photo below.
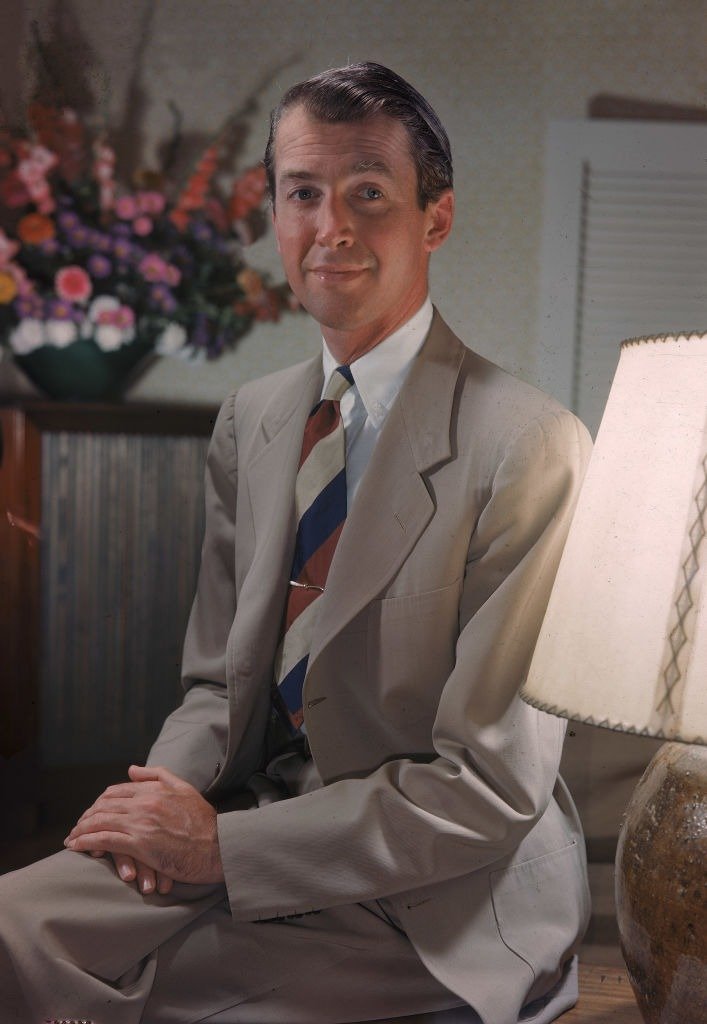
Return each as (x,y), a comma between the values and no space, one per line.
(289,250)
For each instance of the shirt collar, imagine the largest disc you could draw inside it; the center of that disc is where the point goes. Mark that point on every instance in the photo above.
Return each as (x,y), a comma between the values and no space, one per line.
(379,373)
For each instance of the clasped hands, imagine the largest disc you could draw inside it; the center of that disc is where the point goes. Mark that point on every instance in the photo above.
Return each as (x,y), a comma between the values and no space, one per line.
(158,829)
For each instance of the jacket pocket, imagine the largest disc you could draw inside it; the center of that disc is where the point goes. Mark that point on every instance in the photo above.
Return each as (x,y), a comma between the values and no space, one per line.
(411,651)
(542,906)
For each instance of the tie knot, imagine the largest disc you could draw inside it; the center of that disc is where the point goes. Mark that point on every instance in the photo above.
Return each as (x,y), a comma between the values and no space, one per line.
(339,383)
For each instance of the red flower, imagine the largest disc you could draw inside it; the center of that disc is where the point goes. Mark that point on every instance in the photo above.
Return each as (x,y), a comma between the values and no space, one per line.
(13,192)
(248,192)
(73,284)
(35,228)
(193,196)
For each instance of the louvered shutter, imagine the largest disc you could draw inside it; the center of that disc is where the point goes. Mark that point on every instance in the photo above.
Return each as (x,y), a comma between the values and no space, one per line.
(624,248)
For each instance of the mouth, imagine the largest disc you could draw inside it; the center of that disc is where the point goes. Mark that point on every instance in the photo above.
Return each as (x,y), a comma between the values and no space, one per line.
(335,273)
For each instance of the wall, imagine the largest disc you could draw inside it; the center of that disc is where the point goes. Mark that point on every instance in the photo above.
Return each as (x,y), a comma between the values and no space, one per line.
(496,70)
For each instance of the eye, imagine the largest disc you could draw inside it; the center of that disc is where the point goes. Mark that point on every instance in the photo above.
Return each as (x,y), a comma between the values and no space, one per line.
(371,192)
(302,194)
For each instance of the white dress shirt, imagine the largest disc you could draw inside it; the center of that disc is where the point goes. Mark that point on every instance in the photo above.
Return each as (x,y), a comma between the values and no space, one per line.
(378,376)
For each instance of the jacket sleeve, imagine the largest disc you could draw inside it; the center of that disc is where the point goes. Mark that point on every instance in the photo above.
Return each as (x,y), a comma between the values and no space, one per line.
(412,823)
(192,741)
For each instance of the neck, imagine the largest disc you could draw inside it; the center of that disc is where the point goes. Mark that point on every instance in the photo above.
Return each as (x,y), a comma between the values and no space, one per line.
(348,346)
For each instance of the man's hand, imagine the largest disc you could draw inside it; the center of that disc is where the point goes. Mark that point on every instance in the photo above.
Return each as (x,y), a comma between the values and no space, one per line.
(157,826)
(133,872)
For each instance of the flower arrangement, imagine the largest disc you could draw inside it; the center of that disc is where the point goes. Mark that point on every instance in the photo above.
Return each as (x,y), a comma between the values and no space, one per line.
(86,260)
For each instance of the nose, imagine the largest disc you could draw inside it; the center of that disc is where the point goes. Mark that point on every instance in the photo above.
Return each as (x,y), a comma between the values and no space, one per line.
(334,227)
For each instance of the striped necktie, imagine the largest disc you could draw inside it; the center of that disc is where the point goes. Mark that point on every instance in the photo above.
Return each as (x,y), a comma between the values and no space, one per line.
(320,502)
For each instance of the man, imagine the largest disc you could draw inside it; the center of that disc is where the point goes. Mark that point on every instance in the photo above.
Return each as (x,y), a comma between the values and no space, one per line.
(403,843)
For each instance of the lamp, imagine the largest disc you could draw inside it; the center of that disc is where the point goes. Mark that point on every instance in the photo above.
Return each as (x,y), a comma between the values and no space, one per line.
(624,646)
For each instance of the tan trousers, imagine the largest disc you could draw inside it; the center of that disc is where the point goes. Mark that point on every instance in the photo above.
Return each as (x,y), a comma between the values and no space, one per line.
(76,942)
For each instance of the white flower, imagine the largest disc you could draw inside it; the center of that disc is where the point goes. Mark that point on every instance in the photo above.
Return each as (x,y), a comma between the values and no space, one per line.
(108,337)
(171,340)
(102,304)
(27,336)
(61,333)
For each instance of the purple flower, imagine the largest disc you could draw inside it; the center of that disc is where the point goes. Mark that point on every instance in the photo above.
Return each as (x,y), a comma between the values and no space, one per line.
(218,344)
(29,307)
(98,266)
(79,236)
(202,231)
(122,249)
(68,220)
(199,336)
(50,247)
(59,309)
(161,296)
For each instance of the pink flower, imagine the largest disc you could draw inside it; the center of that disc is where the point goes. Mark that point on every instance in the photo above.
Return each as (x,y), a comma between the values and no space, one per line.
(38,164)
(103,170)
(174,275)
(8,248)
(32,172)
(73,284)
(107,194)
(152,203)
(154,268)
(126,207)
(142,226)
(125,317)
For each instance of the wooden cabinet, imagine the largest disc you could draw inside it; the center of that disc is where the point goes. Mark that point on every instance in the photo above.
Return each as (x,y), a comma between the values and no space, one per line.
(101,520)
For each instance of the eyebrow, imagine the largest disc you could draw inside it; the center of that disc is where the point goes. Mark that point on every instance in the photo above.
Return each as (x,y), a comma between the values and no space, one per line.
(371,165)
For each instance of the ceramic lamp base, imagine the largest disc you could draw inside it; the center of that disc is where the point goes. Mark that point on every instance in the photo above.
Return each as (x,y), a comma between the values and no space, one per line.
(660,899)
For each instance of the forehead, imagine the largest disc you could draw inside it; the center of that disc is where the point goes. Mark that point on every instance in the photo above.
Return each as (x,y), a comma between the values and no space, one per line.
(303,143)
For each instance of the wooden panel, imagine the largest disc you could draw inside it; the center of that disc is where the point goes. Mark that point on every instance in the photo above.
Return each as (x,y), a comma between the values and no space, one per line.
(131,418)
(20,502)
(122,521)
(100,528)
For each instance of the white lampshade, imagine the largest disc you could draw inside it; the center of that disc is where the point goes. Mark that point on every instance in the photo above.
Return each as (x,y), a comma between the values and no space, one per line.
(624,641)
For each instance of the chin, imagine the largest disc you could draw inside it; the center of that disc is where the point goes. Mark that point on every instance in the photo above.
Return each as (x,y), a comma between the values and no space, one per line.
(335,317)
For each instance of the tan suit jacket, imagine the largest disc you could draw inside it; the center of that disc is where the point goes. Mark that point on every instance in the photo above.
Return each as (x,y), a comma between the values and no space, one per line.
(438,780)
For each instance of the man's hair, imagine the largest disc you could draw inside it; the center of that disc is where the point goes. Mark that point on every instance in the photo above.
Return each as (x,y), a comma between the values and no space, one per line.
(359,91)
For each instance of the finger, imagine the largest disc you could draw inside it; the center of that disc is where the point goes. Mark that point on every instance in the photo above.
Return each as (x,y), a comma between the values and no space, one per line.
(140,773)
(125,866)
(114,842)
(99,811)
(164,884)
(121,790)
(154,773)
(98,853)
(100,822)
(146,879)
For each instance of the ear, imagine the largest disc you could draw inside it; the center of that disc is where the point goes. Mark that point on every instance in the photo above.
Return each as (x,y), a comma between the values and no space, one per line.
(440,214)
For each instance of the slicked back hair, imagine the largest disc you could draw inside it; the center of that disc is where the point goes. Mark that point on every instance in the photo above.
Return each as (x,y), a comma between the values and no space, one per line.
(359,91)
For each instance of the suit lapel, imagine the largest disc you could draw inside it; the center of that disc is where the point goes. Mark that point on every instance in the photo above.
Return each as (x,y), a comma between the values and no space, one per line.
(272,471)
(393,505)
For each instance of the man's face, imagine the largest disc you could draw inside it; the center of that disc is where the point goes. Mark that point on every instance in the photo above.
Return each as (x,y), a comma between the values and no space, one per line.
(353,240)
